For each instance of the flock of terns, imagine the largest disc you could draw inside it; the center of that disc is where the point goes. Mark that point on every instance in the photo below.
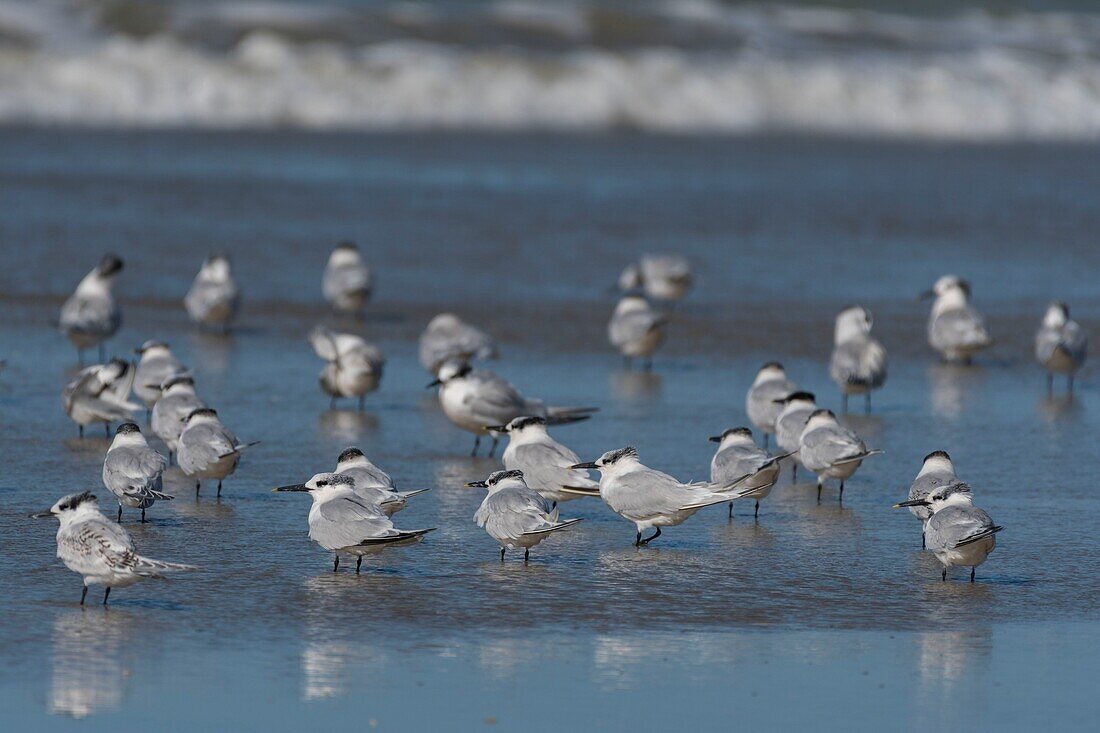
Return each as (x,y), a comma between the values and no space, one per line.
(353,504)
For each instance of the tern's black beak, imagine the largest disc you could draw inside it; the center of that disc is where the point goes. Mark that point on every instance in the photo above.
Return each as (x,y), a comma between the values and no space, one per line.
(477,485)
(912,502)
(589,464)
(780,401)
(927,295)
(292,487)
(433,383)
(715,439)
(42,515)
(497,428)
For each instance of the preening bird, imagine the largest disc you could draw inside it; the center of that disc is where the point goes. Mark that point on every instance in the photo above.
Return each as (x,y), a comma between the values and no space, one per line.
(353,366)
(347,281)
(448,337)
(100,393)
(90,315)
(955,329)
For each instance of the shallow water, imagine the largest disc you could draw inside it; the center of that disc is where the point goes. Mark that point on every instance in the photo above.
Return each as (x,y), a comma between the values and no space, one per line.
(821,614)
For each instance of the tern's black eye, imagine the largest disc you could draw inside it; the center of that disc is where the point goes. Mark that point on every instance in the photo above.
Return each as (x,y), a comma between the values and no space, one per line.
(322,483)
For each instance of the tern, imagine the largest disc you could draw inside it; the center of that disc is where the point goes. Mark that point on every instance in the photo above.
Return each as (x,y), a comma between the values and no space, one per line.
(448,337)
(1061,345)
(762,403)
(937,470)
(831,450)
(100,393)
(636,329)
(90,315)
(207,449)
(858,364)
(546,464)
(372,483)
(347,282)
(955,329)
(739,462)
(796,410)
(133,471)
(353,367)
(663,277)
(514,514)
(177,400)
(156,364)
(214,297)
(957,533)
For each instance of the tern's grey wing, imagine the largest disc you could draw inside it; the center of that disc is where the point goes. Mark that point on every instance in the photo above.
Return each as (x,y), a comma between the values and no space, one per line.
(633,326)
(545,467)
(79,385)
(346,521)
(1070,339)
(958,328)
(369,475)
(367,357)
(203,445)
(828,445)
(461,341)
(168,414)
(493,400)
(859,363)
(952,526)
(94,315)
(513,512)
(134,471)
(1075,341)
(648,493)
(737,461)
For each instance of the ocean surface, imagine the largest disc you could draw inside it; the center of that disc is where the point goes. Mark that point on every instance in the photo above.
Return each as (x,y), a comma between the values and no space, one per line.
(823,615)
(1002,70)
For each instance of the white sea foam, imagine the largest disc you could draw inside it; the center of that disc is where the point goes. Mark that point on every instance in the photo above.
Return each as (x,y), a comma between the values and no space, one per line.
(763,69)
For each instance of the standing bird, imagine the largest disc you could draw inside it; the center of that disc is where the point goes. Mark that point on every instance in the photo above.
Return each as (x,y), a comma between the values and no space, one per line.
(957,533)
(344,524)
(636,329)
(739,462)
(663,277)
(102,551)
(372,483)
(155,366)
(763,402)
(347,280)
(514,514)
(207,449)
(101,393)
(858,364)
(90,316)
(831,450)
(649,498)
(177,400)
(936,471)
(1060,345)
(133,471)
(214,297)
(354,367)
(475,398)
(546,464)
(449,337)
(796,410)
(955,329)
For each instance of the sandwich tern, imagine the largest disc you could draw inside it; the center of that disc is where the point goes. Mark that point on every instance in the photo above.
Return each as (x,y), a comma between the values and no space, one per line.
(344,524)
(957,533)
(449,337)
(636,329)
(831,450)
(177,400)
(207,449)
(372,483)
(546,464)
(649,498)
(762,403)
(102,551)
(101,393)
(739,462)
(133,471)
(156,364)
(90,315)
(858,364)
(955,329)
(347,280)
(514,514)
(475,398)
(353,367)
(936,471)
(1060,345)
(214,297)
(663,277)
(796,410)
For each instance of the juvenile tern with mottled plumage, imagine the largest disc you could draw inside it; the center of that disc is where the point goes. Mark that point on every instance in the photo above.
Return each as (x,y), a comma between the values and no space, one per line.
(514,514)
(100,550)
(345,524)
(133,471)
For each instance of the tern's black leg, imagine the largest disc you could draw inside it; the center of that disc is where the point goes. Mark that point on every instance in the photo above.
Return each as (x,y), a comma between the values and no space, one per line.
(840,498)
(922,545)
(731,510)
(493,447)
(502,554)
(756,511)
(794,472)
(81,429)
(844,403)
(867,402)
(142,515)
(335,563)
(765,441)
(477,444)
(358,563)
(107,429)
(943,575)
(638,540)
(361,402)
(1050,384)
(119,520)
(83,595)
(656,534)
(527,555)
(819,491)
(198,485)
(219,488)
(106,595)
(972,575)
(554,506)
(171,457)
